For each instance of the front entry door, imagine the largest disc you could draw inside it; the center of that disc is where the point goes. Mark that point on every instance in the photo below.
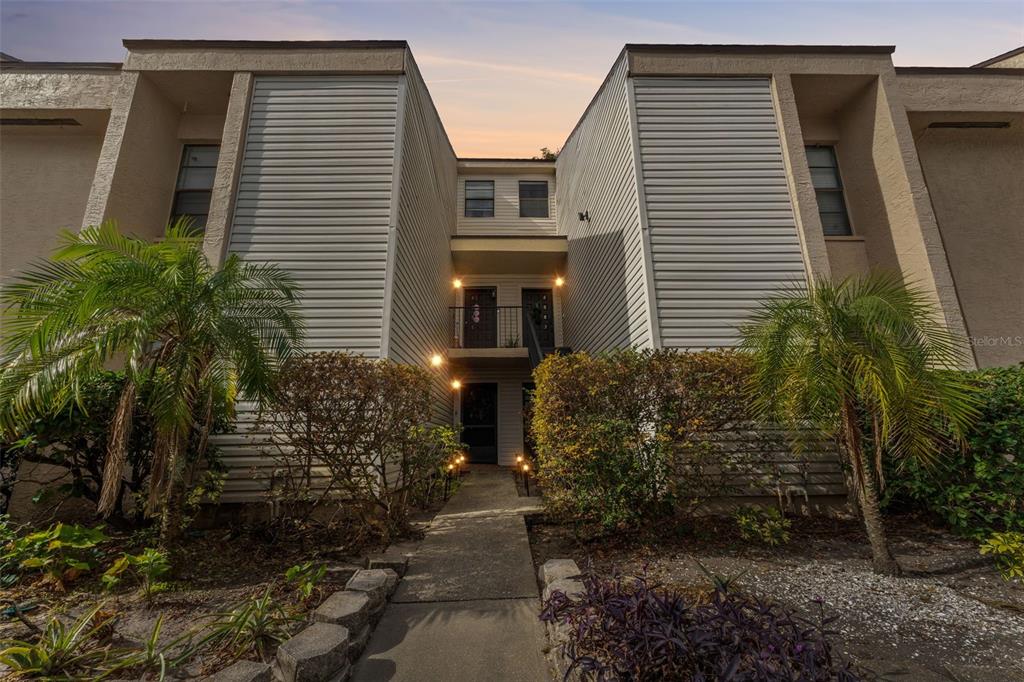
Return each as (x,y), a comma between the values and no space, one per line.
(537,303)
(480,318)
(480,422)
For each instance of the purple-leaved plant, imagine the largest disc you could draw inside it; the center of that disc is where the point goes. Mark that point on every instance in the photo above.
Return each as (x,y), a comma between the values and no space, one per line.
(634,631)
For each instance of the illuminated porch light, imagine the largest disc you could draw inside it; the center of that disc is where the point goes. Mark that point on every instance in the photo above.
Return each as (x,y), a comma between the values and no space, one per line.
(456,384)
(436,360)
(457,283)
(559,281)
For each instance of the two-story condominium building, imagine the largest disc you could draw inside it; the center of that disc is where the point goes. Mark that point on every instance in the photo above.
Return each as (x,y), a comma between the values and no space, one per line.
(700,179)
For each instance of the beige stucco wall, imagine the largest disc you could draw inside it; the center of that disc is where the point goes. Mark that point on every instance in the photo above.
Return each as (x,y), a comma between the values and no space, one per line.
(847,256)
(54,90)
(990,90)
(45,176)
(138,166)
(229,163)
(348,60)
(976,181)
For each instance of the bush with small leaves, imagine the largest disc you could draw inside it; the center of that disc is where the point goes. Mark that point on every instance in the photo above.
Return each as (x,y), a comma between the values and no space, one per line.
(1008,551)
(766,526)
(630,630)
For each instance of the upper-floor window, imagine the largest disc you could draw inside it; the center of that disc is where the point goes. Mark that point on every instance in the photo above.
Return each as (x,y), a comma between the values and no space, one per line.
(195,183)
(533,199)
(828,189)
(479,198)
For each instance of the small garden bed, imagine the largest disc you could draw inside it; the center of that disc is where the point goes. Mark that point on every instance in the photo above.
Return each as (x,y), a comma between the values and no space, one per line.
(218,572)
(950,617)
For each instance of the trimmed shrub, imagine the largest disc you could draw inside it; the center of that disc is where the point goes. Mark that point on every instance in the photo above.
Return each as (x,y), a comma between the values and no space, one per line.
(630,435)
(976,490)
(346,427)
(632,630)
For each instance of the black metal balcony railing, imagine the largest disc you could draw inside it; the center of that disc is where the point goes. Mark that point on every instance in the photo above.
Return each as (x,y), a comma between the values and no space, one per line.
(504,326)
(477,326)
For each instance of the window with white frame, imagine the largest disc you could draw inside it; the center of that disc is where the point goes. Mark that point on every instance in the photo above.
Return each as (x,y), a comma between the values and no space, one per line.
(479,198)
(533,198)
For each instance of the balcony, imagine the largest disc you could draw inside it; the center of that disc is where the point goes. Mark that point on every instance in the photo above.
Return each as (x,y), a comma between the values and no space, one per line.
(500,332)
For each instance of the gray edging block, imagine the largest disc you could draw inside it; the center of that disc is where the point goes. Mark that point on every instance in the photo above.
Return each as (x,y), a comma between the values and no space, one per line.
(317,654)
(346,607)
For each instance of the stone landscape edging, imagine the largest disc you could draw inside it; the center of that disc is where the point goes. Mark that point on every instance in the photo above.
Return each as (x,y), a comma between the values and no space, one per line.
(337,633)
(561,575)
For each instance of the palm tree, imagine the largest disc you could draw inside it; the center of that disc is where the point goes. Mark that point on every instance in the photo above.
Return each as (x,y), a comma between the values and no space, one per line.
(186,330)
(867,360)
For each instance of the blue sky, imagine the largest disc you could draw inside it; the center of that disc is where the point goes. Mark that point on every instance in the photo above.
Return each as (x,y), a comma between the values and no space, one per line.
(511,77)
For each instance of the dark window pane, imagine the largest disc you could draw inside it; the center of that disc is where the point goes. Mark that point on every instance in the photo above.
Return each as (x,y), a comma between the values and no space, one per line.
(835,224)
(530,189)
(828,187)
(201,155)
(820,157)
(196,178)
(830,201)
(533,199)
(825,178)
(479,199)
(479,189)
(533,208)
(192,203)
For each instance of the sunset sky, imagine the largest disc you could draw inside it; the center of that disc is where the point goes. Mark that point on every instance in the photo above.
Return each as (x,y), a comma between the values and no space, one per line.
(511,77)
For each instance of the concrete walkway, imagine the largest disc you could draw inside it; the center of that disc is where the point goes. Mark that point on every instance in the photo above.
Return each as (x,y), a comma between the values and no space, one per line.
(467,607)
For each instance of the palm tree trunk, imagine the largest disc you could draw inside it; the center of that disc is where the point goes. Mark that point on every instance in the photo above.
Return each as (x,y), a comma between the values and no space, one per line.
(117,451)
(882,559)
(171,509)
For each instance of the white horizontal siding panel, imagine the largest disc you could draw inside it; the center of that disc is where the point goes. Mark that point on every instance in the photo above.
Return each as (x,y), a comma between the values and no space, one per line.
(718,207)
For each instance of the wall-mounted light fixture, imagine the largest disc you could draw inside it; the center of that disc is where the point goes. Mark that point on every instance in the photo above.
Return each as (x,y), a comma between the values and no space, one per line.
(456,384)
(436,360)
(457,283)
(584,216)
(559,281)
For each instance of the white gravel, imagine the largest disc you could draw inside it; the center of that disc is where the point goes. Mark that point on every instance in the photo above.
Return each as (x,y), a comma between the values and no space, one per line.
(897,611)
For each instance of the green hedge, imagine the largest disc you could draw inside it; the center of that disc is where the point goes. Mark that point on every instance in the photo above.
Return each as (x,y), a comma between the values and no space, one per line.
(626,436)
(979,489)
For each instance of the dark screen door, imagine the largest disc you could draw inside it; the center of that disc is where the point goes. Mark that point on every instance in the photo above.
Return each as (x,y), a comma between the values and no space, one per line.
(480,318)
(480,422)
(537,303)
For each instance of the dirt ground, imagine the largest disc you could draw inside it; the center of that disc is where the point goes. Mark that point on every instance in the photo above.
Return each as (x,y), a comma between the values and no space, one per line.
(950,617)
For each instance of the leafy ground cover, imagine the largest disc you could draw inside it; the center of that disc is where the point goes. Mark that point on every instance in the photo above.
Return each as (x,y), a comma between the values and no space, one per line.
(950,617)
(234,593)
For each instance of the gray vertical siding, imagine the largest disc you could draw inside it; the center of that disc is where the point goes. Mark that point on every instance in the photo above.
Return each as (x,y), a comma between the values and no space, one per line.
(421,288)
(604,301)
(314,197)
(718,206)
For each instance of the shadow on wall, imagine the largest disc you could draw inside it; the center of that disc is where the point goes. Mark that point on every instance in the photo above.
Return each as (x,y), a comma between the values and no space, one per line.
(595,304)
